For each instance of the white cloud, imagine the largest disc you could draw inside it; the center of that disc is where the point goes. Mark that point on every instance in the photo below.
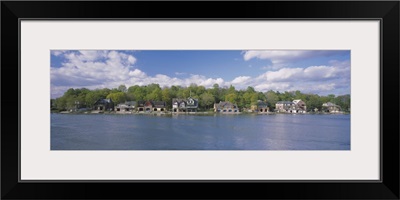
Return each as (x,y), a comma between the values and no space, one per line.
(284,86)
(93,69)
(314,79)
(284,74)
(57,52)
(240,80)
(282,58)
(131,59)
(275,56)
(137,73)
(100,69)
(91,55)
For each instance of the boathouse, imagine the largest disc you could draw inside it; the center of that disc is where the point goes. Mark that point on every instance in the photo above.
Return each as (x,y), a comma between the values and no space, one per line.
(295,106)
(148,106)
(140,106)
(261,106)
(225,107)
(159,106)
(185,105)
(103,105)
(192,104)
(127,107)
(331,108)
(178,105)
(300,106)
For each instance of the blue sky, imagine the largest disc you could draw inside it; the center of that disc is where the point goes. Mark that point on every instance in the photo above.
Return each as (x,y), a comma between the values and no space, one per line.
(311,71)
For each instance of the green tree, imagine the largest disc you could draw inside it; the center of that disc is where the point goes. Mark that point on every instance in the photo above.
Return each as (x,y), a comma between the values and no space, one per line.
(136,93)
(243,98)
(215,91)
(155,95)
(150,88)
(200,90)
(122,88)
(246,99)
(272,98)
(232,97)
(133,88)
(254,99)
(206,100)
(60,104)
(70,92)
(250,89)
(165,96)
(343,101)
(314,102)
(231,90)
(104,92)
(91,98)
(287,96)
(118,97)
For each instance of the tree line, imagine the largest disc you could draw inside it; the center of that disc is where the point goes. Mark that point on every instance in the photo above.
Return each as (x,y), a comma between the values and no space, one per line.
(206,96)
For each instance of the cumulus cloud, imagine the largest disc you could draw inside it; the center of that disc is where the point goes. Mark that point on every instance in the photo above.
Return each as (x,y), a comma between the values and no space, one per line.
(240,82)
(142,78)
(91,67)
(57,52)
(314,79)
(312,73)
(282,58)
(100,69)
(137,73)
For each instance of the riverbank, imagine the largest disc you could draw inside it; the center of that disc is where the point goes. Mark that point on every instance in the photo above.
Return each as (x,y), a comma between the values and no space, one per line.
(195,113)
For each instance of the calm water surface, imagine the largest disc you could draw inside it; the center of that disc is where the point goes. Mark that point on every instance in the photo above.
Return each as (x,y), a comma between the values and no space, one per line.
(195,132)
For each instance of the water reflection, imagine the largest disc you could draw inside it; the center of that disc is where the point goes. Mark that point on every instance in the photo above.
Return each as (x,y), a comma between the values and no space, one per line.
(196,132)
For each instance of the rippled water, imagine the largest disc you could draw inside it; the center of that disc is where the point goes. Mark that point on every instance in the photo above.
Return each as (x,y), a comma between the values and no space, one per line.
(196,132)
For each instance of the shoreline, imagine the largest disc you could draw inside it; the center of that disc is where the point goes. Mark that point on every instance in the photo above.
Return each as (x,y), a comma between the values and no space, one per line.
(194,113)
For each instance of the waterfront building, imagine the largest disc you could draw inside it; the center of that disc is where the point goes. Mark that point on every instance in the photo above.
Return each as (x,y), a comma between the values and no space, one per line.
(185,105)
(159,106)
(102,105)
(140,106)
(260,107)
(151,106)
(295,106)
(148,106)
(331,108)
(300,106)
(225,107)
(127,107)
(192,104)
(178,105)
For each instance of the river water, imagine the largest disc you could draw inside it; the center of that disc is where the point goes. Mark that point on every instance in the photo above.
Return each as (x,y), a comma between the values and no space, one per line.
(200,132)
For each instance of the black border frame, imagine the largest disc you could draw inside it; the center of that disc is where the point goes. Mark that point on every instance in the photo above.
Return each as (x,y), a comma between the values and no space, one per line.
(385,11)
